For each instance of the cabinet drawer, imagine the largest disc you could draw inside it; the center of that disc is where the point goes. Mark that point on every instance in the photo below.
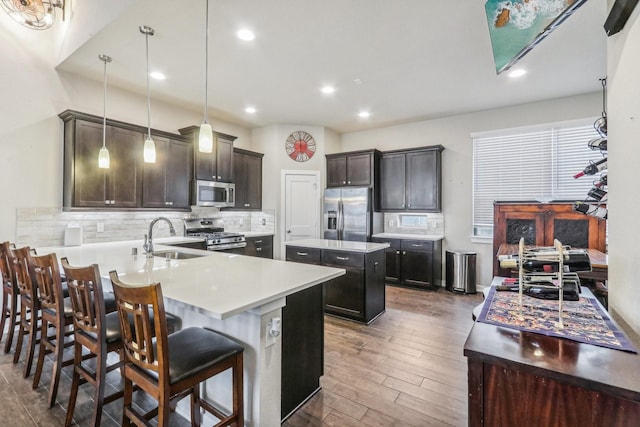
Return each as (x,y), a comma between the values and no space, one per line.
(305,255)
(417,245)
(343,259)
(395,243)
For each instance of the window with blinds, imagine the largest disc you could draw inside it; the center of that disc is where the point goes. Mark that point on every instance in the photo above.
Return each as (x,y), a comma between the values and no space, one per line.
(530,164)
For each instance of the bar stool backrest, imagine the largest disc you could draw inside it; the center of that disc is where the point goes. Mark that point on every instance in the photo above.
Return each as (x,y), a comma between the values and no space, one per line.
(135,304)
(87,300)
(21,262)
(5,267)
(47,277)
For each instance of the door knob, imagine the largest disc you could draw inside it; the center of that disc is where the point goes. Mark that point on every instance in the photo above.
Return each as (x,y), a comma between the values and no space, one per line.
(288,231)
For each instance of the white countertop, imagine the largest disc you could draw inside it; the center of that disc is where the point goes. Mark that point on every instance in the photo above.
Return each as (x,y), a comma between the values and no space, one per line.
(221,284)
(340,245)
(409,236)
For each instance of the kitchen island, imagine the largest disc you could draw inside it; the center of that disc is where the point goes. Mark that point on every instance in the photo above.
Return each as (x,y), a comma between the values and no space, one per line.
(237,295)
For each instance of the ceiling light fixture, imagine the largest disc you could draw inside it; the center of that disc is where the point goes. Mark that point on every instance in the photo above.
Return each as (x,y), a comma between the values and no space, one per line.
(250,110)
(205,137)
(157,75)
(34,14)
(328,90)
(519,72)
(103,155)
(149,145)
(246,35)
(364,114)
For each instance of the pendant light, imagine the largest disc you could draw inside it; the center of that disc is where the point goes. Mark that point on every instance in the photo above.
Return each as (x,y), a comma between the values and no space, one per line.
(205,138)
(103,155)
(149,145)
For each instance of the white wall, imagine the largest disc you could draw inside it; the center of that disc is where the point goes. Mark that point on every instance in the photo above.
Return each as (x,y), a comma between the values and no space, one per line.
(624,174)
(31,134)
(457,162)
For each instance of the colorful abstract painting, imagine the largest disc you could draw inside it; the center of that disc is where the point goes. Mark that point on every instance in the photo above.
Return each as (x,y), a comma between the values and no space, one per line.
(516,26)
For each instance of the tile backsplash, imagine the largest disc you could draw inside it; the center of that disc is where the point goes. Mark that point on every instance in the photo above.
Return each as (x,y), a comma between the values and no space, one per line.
(39,227)
(414,223)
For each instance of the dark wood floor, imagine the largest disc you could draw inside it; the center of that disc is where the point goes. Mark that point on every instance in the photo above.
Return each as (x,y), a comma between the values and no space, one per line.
(405,369)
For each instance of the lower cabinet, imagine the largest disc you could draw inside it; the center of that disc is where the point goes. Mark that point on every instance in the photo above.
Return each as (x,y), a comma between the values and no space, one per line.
(415,263)
(261,247)
(359,294)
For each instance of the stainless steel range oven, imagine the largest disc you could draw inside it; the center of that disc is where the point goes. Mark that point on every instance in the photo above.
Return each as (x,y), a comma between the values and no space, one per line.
(216,238)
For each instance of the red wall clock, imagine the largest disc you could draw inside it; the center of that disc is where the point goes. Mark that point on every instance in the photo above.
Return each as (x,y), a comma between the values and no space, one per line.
(300,146)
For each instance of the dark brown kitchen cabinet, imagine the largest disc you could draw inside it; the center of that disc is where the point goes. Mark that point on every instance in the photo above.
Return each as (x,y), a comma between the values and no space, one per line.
(411,180)
(247,175)
(166,182)
(540,223)
(261,247)
(214,166)
(302,339)
(356,168)
(414,263)
(87,186)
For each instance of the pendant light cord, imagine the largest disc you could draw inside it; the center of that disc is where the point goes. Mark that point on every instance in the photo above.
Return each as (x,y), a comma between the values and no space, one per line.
(104,103)
(148,94)
(206,64)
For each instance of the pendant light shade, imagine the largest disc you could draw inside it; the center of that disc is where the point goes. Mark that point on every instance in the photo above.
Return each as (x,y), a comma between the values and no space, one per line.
(103,155)
(205,137)
(149,145)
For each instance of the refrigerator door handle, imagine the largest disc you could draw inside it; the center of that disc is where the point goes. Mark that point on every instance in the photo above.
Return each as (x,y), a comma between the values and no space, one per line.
(340,220)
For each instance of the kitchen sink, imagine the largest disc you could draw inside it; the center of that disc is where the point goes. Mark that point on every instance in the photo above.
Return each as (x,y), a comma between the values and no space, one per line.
(176,255)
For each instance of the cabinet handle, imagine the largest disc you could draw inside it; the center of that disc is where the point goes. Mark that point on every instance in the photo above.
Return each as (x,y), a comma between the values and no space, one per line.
(302,253)
(397,252)
(348,182)
(246,205)
(409,205)
(344,182)
(219,177)
(404,252)
(375,266)
(343,258)
(106,202)
(416,245)
(258,249)
(258,241)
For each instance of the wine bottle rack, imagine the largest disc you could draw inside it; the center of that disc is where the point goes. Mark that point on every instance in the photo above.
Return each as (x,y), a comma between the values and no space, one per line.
(551,254)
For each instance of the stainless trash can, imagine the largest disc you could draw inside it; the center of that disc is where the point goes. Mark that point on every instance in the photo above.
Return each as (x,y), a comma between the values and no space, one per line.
(461,271)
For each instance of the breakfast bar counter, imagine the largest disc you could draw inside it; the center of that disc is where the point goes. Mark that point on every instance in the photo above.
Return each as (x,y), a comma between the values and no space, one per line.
(237,295)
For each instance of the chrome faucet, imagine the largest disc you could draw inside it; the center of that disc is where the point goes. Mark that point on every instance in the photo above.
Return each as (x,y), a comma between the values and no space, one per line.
(148,238)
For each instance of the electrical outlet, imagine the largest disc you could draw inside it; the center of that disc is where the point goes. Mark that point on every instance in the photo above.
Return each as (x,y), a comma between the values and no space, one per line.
(264,221)
(100,227)
(241,221)
(390,223)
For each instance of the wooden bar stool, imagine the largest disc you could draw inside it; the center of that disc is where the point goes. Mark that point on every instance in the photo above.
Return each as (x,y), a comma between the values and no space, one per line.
(29,306)
(94,330)
(171,367)
(10,293)
(56,313)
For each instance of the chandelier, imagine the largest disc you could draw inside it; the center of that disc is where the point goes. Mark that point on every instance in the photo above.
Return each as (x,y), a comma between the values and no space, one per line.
(34,14)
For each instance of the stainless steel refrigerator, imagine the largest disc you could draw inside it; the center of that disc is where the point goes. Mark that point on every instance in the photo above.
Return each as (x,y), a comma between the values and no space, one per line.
(348,214)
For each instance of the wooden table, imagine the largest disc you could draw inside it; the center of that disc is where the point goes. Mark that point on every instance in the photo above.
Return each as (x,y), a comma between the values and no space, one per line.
(518,378)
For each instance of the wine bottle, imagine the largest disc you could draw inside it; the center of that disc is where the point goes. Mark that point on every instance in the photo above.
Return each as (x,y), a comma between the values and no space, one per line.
(598,144)
(593,168)
(574,261)
(593,210)
(598,194)
(602,182)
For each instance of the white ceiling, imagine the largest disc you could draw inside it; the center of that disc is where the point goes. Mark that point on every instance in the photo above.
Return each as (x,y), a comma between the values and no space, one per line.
(403,60)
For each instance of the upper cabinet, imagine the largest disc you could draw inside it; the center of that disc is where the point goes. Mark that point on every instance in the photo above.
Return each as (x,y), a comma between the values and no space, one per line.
(214,166)
(86,185)
(166,182)
(357,168)
(411,180)
(247,175)
(128,183)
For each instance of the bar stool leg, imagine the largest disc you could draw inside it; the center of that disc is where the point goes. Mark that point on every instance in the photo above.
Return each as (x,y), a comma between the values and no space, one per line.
(16,355)
(75,383)
(195,405)
(31,346)
(101,365)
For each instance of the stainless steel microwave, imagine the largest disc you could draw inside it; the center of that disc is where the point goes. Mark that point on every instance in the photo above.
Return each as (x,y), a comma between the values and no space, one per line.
(212,193)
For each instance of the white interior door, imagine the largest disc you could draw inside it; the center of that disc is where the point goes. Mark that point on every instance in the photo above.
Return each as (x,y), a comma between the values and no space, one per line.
(301,205)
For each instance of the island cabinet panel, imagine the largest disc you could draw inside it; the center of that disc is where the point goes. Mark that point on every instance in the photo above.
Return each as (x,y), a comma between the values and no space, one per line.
(414,263)
(86,185)
(411,180)
(261,247)
(247,175)
(166,182)
(344,295)
(302,339)
(214,166)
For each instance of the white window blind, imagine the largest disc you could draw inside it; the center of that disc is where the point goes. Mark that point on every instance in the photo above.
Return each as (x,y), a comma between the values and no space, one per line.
(532,164)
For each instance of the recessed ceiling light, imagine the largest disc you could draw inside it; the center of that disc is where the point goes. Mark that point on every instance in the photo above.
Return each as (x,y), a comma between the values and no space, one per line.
(157,75)
(364,114)
(246,34)
(518,72)
(327,90)
(250,110)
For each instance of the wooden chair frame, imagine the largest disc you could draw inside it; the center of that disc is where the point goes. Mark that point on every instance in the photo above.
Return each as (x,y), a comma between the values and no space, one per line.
(147,360)
(10,292)
(47,277)
(89,321)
